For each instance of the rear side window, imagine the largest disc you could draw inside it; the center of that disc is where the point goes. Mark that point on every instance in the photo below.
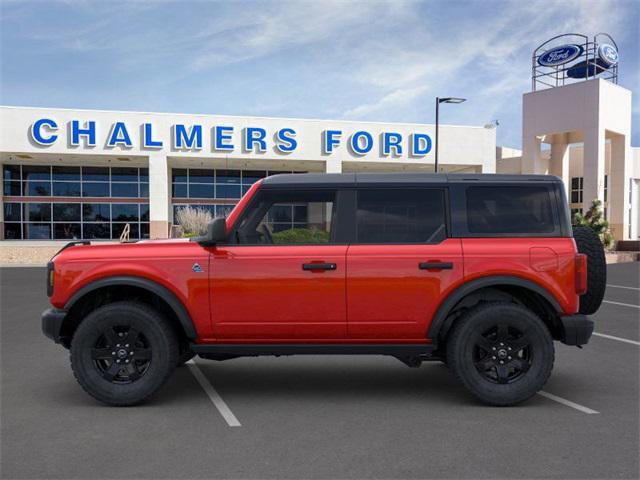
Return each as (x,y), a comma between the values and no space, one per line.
(510,210)
(401,216)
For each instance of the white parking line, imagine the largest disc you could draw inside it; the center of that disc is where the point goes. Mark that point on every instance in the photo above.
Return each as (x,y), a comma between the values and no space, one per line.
(611,337)
(213,395)
(622,286)
(621,304)
(568,403)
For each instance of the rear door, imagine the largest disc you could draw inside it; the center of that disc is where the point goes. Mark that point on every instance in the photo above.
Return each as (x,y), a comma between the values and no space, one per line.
(401,263)
(284,280)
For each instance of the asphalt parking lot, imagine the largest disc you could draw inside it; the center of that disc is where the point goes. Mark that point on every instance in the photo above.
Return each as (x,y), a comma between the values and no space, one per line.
(321,417)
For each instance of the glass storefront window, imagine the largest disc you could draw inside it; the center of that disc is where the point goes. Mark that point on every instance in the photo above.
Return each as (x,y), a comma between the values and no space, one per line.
(66,189)
(37,189)
(66,173)
(53,220)
(36,172)
(95,174)
(66,212)
(95,189)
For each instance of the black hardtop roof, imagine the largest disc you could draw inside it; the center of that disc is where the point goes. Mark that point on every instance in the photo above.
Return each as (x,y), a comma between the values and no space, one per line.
(397,179)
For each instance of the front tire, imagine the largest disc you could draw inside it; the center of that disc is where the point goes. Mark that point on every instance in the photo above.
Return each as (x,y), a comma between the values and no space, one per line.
(501,352)
(123,352)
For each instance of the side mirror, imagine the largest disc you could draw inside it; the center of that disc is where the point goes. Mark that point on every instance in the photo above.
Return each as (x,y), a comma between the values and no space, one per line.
(216,233)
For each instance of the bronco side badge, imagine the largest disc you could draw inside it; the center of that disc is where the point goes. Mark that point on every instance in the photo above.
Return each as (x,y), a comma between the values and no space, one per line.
(196,268)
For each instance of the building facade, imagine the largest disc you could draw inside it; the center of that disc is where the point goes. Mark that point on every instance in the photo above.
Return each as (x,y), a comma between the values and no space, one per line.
(87,174)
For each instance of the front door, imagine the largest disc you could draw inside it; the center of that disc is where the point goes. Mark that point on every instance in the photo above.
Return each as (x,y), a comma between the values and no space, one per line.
(401,263)
(284,278)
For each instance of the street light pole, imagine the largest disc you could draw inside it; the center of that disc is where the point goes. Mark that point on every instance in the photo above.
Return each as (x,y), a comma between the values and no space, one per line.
(437,129)
(438,102)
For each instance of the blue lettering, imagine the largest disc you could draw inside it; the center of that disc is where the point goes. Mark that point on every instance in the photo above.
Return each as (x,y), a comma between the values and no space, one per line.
(147,138)
(286,141)
(421,144)
(329,140)
(356,145)
(36,131)
(255,135)
(186,139)
(89,131)
(391,140)
(119,136)
(221,137)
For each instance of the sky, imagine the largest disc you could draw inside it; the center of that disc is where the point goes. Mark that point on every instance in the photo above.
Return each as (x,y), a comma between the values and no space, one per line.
(351,60)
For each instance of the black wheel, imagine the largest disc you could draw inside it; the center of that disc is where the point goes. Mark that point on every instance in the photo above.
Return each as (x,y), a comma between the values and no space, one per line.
(123,352)
(589,243)
(501,352)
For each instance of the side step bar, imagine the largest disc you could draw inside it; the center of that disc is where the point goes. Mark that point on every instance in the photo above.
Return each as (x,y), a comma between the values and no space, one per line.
(411,354)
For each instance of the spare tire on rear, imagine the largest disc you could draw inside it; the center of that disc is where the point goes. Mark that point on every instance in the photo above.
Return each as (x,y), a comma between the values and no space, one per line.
(589,244)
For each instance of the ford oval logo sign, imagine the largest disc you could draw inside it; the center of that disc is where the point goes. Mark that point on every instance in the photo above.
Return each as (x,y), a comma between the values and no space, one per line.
(608,54)
(560,55)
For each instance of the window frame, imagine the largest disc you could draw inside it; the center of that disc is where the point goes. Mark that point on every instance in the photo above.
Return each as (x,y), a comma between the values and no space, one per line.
(446,205)
(339,225)
(459,209)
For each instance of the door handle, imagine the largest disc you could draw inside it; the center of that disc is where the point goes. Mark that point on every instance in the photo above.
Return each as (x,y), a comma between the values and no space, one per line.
(319,266)
(435,266)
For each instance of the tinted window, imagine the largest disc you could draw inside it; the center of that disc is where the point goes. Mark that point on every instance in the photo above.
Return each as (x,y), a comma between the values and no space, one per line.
(37,212)
(95,189)
(12,212)
(66,212)
(66,189)
(11,172)
(36,172)
(37,189)
(99,174)
(509,210)
(125,174)
(401,216)
(96,212)
(12,189)
(124,212)
(124,189)
(66,173)
(290,218)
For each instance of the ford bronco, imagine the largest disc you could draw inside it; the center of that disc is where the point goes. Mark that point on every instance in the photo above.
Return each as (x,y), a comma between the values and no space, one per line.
(481,272)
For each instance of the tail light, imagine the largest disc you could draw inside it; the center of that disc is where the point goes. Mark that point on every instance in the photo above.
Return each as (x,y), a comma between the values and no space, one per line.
(581,274)
(50,278)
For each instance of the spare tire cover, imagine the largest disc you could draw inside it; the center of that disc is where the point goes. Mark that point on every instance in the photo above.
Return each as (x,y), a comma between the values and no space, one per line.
(589,243)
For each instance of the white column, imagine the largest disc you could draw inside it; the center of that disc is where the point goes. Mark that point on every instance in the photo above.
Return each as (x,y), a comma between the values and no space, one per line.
(333,165)
(619,186)
(593,166)
(159,198)
(559,162)
(531,155)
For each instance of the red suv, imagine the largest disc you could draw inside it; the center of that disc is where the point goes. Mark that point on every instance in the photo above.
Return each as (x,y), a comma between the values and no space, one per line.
(482,272)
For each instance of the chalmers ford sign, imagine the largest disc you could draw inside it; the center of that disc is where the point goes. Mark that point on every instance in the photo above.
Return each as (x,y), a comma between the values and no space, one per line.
(45,132)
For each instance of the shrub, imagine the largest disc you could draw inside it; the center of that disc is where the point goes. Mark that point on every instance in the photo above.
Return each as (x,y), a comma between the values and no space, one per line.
(193,221)
(594,219)
(300,235)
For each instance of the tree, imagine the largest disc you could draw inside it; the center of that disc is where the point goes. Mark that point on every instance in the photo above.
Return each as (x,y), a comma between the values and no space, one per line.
(594,219)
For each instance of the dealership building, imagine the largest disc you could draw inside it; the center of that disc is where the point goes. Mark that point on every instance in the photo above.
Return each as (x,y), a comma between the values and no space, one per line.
(86,173)
(90,174)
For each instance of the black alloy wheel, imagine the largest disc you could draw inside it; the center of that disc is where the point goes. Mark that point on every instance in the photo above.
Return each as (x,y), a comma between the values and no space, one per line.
(121,354)
(502,354)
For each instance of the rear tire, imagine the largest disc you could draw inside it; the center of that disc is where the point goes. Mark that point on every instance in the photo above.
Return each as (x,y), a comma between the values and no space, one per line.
(501,352)
(589,243)
(123,352)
